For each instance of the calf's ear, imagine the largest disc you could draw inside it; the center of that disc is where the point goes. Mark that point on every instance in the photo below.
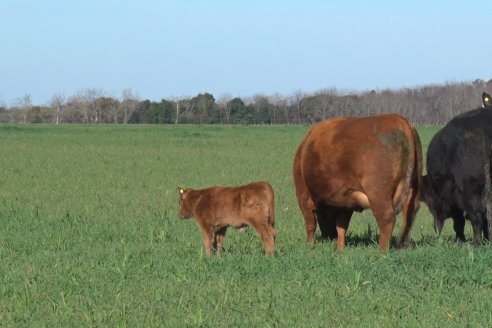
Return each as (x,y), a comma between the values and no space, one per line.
(486,100)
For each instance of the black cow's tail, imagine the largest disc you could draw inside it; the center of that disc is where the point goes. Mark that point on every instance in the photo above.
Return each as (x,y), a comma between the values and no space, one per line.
(488,190)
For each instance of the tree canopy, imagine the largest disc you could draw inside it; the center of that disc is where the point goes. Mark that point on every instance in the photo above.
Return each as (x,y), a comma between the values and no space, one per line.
(430,104)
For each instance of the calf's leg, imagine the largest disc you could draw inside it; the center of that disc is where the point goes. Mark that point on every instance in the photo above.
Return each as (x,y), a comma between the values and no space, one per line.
(208,238)
(267,235)
(219,240)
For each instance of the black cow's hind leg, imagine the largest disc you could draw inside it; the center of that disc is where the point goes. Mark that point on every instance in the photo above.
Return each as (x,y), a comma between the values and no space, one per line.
(485,229)
(459,227)
(327,222)
(476,221)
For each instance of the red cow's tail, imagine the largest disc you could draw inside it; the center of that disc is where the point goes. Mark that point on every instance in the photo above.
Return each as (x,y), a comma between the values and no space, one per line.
(418,159)
(413,175)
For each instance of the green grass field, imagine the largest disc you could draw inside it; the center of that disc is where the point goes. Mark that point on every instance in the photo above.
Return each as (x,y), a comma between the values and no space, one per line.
(89,237)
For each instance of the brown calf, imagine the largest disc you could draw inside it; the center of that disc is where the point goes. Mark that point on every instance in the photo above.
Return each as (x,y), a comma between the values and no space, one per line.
(217,208)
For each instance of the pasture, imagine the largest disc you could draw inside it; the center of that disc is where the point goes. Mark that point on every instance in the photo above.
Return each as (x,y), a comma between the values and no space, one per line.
(89,237)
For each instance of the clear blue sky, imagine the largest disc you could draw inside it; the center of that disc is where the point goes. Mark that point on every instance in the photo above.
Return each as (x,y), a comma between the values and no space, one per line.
(163,49)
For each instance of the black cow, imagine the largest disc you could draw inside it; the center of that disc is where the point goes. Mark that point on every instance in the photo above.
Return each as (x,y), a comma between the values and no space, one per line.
(457,183)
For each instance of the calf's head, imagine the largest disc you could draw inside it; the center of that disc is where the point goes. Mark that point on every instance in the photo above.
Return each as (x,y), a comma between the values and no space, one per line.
(185,206)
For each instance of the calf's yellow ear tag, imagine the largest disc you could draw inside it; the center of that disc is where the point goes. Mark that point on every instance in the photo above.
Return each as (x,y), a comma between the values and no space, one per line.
(181,191)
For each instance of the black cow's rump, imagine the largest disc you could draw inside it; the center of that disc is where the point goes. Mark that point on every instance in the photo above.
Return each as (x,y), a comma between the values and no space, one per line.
(457,184)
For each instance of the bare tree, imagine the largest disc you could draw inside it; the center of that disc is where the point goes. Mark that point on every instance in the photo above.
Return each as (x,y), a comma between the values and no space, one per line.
(260,102)
(108,110)
(279,103)
(75,110)
(5,116)
(24,104)
(326,101)
(128,104)
(298,99)
(58,103)
(93,99)
(224,103)
(178,103)
(80,104)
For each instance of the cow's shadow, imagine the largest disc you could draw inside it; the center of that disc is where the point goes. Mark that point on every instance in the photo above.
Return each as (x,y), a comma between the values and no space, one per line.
(370,238)
(362,240)
(365,239)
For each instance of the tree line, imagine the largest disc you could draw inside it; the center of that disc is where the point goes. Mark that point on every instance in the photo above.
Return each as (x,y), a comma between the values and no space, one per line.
(422,105)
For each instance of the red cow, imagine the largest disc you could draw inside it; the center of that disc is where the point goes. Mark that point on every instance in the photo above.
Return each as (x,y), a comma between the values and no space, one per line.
(349,164)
